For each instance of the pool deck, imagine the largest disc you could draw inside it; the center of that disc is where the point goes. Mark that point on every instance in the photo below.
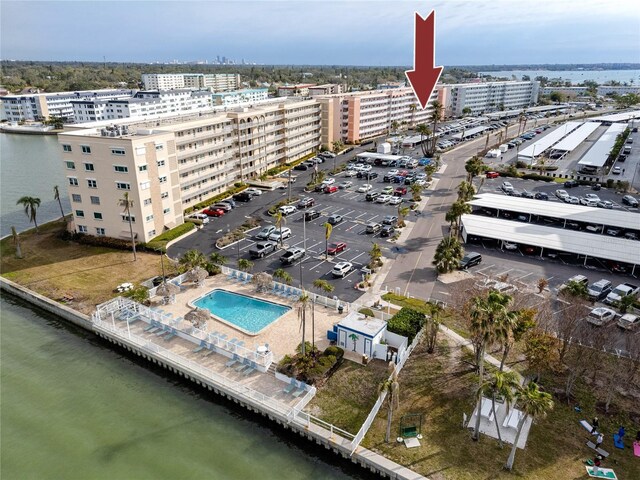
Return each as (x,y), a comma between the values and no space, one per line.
(282,336)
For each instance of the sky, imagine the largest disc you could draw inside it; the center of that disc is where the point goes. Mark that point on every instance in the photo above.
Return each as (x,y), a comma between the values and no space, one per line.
(377,33)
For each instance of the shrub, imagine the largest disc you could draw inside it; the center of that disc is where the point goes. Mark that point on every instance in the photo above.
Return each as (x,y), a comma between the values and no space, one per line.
(334,351)
(521,164)
(274,208)
(367,312)
(195,221)
(108,242)
(537,176)
(160,242)
(407,322)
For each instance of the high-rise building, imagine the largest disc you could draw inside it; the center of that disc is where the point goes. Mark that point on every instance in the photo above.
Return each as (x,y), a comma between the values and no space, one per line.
(216,82)
(172,163)
(488,97)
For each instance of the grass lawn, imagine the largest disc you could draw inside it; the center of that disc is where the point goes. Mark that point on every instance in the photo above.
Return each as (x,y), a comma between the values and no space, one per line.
(348,396)
(56,268)
(442,387)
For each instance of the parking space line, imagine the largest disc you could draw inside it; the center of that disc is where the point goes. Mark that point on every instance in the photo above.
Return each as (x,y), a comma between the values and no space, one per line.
(348,213)
(316,266)
(371,219)
(362,215)
(359,255)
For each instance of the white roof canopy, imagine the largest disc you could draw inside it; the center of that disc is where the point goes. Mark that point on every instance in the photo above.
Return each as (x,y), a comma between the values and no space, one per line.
(618,117)
(564,211)
(469,132)
(599,152)
(592,245)
(539,147)
(571,141)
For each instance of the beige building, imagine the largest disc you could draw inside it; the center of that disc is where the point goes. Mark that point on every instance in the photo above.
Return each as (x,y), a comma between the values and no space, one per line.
(298,90)
(356,116)
(216,82)
(326,89)
(172,163)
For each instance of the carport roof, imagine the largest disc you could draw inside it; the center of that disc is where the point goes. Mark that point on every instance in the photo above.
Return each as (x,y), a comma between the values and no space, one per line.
(592,245)
(617,117)
(563,211)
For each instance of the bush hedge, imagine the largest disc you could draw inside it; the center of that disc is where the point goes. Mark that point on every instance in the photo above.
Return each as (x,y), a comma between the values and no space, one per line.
(107,242)
(314,366)
(537,176)
(237,188)
(160,242)
(407,322)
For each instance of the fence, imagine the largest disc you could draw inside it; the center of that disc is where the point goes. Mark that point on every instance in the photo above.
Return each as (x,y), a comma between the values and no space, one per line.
(176,281)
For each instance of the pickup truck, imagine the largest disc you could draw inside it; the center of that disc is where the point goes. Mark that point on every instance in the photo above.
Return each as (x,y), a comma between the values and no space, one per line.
(291,255)
(620,291)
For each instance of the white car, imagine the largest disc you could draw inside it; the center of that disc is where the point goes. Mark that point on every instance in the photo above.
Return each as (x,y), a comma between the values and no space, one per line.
(616,170)
(253,191)
(346,184)
(395,201)
(329,181)
(342,269)
(361,167)
(592,197)
(561,194)
(351,173)
(276,236)
(383,199)
(364,188)
(204,218)
(628,321)
(605,204)
(265,232)
(588,202)
(365,168)
(571,199)
(593,228)
(510,246)
(393,173)
(601,316)
(287,210)
(507,187)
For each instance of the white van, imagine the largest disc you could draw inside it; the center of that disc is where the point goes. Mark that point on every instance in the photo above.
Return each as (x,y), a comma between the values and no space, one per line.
(200,216)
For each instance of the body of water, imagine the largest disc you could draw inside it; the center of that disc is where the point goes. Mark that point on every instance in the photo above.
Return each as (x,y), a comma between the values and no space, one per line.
(74,408)
(575,76)
(30,165)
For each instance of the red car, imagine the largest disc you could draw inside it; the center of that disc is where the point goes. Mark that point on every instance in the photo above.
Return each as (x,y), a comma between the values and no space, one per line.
(330,189)
(336,247)
(493,174)
(403,173)
(213,212)
(400,191)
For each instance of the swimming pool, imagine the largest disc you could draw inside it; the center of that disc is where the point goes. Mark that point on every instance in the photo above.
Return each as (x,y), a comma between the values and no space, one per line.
(251,315)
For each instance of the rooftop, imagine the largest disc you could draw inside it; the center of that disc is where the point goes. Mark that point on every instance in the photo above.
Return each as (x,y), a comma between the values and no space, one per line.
(599,152)
(359,323)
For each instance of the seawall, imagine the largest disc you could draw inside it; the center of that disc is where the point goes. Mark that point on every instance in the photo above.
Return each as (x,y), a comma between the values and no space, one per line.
(367,459)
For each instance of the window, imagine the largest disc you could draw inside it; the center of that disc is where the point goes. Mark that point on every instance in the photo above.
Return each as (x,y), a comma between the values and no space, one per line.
(164,195)
(142,168)
(75,197)
(161,163)
(152,233)
(80,213)
(73,181)
(147,201)
(117,151)
(82,229)
(92,183)
(97,215)
(121,169)
(148,218)
(95,200)
(70,165)
(66,148)
(100,231)
(123,186)
(166,210)
(125,217)
(86,149)
(89,167)
(159,146)
(163,179)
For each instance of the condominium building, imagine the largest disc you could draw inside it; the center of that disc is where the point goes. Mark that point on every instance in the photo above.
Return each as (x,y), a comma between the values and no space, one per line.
(239,97)
(355,116)
(489,97)
(568,91)
(42,106)
(297,90)
(216,82)
(142,104)
(326,89)
(171,163)
(603,90)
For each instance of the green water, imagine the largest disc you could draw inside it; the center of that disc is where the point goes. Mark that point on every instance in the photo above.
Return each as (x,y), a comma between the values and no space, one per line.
(72,408)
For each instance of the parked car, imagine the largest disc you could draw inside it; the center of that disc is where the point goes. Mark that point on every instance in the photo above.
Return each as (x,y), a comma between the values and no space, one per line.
(301,166)
(278,235)
(541,196)
(336,247)
(242,197)
(265,232)
(470,259)
(588,202)
(225,207)
(600,316)
(527,194)
(628,321)
(327,154)
(306,202)
(383,198)
(371,196)
(390,220)
(599,290)
(350,173)
(630,201)
(260,249)
(342,269)
(364,188)
(510,246)
(292,255)
(507,187)
(395,200)
(287,210)
(373,228)
(570,184)
(592,196)
(213,212)
(203,217)
(330,189)
(329,181)
(256,192)
(346,184)
(605,204)
(571,199)
(561,194)
(387,190)
(387,230)
(335,219)
(492,174)
(399,191)
(616,170)
(311,214)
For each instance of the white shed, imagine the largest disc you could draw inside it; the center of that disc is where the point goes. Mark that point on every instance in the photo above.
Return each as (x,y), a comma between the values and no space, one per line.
(360,334)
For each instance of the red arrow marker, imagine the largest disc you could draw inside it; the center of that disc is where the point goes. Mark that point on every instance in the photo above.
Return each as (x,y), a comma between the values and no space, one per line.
(425,74)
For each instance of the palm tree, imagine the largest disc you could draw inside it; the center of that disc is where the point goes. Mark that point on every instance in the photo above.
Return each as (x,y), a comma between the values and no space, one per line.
(466,191)
(533,403)
(448,254)
(303,303)
(575,289)
(245,265)
(391,386)
(375,254)
(500,384)
(432,326)
(323,285)
(281,220)
(412,108)
(458,208)
(328,228)
(394,126)
(402,213)
(56,196)
(512,329)
(30,205)
(283,275)
(127,204)
(416,190)
(217,259)
(191,259)
(486,313)
(436,113)
(424,132)
(474,167)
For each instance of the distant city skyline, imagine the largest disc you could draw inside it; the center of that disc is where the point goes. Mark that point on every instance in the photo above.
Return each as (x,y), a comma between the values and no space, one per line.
(373,33)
